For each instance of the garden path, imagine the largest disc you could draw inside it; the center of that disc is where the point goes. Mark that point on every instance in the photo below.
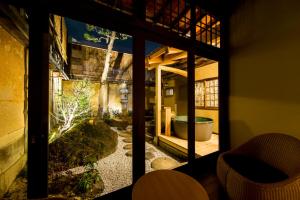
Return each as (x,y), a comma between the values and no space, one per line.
(116,169)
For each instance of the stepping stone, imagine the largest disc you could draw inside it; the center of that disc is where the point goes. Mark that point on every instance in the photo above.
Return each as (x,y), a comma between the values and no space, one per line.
(127,140)
(164,163)
(127,147)
(127,132)
(152,150)
(125,135)
(149,155)
(129,128)
(129,153)
(148,138)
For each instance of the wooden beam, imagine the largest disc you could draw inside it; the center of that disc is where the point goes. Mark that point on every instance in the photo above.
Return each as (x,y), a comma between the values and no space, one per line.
(157,53)
(38,97)
(155,65)
(165,59)
(172,50)
(174,70)
(158,59)
(174,57)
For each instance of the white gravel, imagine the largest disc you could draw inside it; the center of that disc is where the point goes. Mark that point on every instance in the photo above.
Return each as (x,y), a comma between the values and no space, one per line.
(116,169)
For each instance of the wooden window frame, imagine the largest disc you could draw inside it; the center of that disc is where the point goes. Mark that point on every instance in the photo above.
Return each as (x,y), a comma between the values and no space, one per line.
(141,30)
(205,107)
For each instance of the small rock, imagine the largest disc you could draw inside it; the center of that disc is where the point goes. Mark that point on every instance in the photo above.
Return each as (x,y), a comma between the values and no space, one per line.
(149,155)
(164,163)
(148,138)
(128,153)
(152,150)
(129,128)
(127,147)
(127,140)
(125,135)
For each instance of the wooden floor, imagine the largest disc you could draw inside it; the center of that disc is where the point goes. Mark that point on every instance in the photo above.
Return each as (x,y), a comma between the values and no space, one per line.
(202,148)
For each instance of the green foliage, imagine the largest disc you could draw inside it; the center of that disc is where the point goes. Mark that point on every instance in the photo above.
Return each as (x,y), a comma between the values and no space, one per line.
(85,143)
(116,113)
(96,34)
(71,108)
(89,178)
(106,116)
(129,113)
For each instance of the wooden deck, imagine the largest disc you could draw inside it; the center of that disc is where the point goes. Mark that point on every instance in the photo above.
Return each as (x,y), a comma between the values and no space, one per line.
(202,148)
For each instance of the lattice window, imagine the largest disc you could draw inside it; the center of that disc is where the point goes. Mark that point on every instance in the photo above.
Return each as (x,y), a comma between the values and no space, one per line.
(206,94)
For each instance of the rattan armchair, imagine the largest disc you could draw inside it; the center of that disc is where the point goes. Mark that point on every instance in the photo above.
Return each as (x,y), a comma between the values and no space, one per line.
(280,180)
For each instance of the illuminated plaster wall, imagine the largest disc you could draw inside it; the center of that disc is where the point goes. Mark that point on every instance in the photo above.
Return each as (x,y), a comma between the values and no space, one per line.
(177,102)
(264,69)
(12,121)
(208,71)
(169,101)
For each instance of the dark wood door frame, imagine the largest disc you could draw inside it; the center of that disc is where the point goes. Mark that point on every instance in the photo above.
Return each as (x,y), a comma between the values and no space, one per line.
(38,103)
(88,12)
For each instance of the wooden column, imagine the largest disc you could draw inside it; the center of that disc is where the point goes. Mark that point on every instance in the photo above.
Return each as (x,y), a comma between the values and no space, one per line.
(157,101)
(224,137)
(191,89)
(138,104)
(138,100)
(38,92)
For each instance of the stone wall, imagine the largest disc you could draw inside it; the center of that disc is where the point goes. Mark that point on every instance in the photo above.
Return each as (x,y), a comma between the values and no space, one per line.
(12,109)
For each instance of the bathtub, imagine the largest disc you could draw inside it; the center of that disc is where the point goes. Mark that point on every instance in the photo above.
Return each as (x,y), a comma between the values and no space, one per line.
(203,128)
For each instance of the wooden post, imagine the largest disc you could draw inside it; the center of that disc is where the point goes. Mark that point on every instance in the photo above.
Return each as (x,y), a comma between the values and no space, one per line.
(157,101)
(168,121)
(223,66)
(38,94)
(138,104)
(191,90)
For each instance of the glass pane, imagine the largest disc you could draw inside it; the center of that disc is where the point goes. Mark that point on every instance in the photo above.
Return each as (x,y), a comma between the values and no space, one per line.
(166,143)
(207,28)
(173,15)
(90,138)
(207,117)
(13,102)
